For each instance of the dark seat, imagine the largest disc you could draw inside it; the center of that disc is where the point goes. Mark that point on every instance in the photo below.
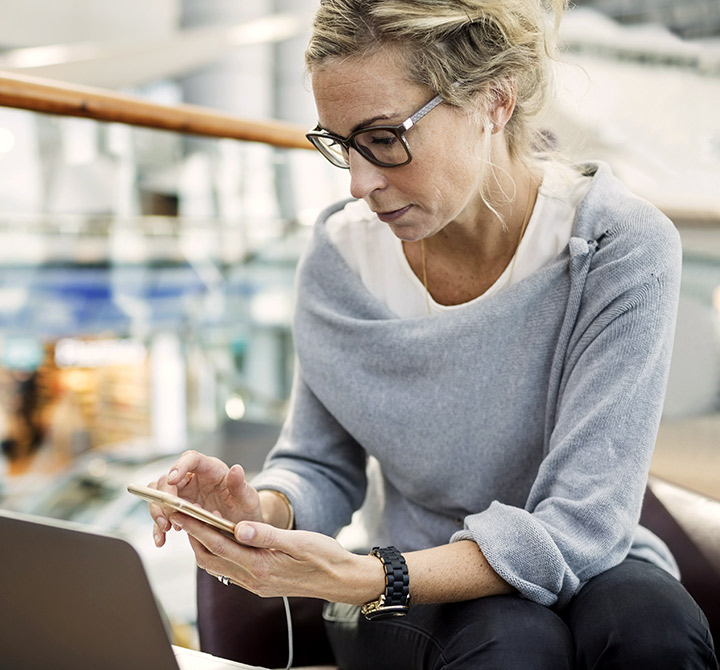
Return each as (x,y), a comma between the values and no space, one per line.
(689,524)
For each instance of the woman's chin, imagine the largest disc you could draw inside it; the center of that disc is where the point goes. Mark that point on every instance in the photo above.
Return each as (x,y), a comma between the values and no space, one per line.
(408,232)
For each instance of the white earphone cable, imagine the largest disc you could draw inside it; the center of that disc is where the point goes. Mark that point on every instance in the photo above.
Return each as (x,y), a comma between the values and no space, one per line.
(288,618)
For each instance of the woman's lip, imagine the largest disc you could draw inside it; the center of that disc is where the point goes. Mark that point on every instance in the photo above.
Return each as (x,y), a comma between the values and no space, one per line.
(394,215)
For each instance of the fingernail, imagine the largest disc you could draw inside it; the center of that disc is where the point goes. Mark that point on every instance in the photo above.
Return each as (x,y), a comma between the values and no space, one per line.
(172,474)
(156,536)
(163,523)
(244,532)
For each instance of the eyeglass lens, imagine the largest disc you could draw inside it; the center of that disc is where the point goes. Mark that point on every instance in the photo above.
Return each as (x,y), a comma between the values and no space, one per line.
(377,145)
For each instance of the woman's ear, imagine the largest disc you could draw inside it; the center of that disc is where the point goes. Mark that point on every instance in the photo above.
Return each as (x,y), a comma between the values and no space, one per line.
(502,103)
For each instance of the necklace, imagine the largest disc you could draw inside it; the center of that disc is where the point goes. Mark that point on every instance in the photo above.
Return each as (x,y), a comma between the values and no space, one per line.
(424,273)
(526,221)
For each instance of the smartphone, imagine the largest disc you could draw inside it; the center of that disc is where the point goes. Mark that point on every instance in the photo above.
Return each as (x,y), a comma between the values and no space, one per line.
(195,511)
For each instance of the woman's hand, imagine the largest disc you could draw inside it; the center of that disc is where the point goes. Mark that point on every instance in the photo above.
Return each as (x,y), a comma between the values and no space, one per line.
(207,482)
(270,561)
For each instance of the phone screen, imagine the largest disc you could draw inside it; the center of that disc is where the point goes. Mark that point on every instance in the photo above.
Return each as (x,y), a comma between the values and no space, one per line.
(195,511)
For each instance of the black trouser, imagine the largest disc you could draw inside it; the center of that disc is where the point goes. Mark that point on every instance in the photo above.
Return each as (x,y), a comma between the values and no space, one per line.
(632,617)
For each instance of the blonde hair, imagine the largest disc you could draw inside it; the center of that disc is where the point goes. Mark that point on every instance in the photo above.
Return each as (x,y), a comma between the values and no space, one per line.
(465,50)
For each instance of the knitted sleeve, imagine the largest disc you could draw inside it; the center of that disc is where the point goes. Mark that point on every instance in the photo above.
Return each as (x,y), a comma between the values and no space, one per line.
(316,464)
(583,509)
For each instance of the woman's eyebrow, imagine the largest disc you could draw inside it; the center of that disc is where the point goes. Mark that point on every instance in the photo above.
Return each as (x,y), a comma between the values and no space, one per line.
(362,124)
(367,122)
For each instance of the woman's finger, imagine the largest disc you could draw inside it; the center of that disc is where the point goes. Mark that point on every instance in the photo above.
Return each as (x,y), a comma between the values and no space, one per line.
(159,513)
(258,535)
(189,461)
(196,463)
(214,540)
(158,535)
(214,551)
(237,482)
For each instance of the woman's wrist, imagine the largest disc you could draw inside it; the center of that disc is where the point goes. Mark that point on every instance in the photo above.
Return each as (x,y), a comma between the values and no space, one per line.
(276,509)
(361,579)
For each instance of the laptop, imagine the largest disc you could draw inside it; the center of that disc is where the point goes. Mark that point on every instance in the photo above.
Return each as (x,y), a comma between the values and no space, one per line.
(75,599)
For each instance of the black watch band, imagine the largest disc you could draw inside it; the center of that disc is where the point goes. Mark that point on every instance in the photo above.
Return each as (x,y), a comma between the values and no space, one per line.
(395,601)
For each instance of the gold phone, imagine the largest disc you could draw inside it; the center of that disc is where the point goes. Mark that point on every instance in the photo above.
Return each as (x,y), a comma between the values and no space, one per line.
(191,509)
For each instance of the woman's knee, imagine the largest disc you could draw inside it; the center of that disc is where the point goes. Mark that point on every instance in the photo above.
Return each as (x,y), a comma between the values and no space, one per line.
(636,615)
(506,632)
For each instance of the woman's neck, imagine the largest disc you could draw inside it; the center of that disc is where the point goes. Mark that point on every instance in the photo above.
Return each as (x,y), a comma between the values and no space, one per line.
(463,260)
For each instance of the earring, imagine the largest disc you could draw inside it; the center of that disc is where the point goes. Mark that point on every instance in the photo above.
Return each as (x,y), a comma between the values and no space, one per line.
(492,127)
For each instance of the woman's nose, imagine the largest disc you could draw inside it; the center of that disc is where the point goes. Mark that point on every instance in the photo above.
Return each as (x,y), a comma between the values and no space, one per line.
(364,176)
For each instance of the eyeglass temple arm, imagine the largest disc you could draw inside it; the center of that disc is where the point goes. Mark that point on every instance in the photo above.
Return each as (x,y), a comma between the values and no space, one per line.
(409,123)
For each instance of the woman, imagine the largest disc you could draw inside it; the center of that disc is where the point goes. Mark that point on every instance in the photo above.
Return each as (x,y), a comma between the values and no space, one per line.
(492,327)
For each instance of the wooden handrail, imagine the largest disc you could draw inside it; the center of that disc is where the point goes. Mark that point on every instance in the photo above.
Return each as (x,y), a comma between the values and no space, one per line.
(54,97)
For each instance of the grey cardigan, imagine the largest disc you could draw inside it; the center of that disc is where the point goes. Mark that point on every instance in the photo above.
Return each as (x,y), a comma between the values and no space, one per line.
(525,422)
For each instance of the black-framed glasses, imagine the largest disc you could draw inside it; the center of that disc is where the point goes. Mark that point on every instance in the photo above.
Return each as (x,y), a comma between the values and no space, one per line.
(384,146)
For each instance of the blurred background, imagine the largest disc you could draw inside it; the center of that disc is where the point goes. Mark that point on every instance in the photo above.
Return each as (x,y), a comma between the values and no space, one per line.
(146,276)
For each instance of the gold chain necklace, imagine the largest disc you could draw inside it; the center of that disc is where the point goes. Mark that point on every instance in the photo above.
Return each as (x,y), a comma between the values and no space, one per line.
(526,221)
(424,273)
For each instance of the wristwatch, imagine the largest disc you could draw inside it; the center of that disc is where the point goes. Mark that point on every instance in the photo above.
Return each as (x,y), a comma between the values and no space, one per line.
(395,601)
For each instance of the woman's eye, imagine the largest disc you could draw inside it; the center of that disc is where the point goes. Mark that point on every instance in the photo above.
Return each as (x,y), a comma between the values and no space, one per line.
(384,139)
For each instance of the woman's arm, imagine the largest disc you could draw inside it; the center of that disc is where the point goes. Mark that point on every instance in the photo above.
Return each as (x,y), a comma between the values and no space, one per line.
(452,572)
(271,562)
(316,464)
(582,512)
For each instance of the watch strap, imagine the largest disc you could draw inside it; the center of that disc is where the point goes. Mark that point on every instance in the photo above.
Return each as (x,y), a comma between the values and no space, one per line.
(395,600)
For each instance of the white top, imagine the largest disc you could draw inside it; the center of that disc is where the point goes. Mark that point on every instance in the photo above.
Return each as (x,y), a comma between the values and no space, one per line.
(376,255)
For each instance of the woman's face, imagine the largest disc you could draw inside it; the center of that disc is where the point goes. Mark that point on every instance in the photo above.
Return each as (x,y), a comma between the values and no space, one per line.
(441,185)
